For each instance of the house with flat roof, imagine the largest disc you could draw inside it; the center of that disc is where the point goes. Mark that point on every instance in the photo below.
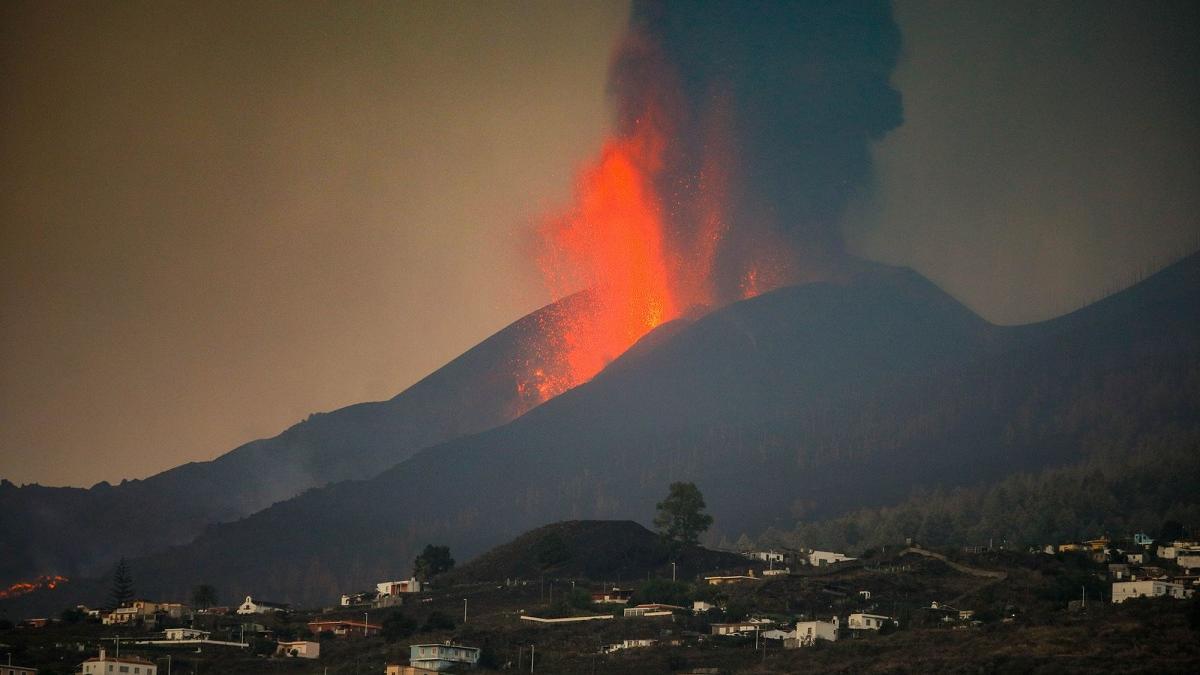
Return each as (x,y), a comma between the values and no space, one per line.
(442,656)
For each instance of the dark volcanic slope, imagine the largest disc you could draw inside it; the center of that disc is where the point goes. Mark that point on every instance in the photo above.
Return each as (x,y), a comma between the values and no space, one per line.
(71,531)
(592,549)
(807,401)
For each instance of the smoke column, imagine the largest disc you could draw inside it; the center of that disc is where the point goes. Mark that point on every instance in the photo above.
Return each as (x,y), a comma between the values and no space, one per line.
(742,131)
(774,106)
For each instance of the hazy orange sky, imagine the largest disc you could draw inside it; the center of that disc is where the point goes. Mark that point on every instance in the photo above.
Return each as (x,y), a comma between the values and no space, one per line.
(220,217)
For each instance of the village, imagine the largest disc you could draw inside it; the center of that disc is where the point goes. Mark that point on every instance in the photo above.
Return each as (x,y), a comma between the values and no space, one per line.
(778,609)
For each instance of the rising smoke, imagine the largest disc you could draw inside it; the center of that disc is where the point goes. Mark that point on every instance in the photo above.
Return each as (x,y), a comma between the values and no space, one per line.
(768,110)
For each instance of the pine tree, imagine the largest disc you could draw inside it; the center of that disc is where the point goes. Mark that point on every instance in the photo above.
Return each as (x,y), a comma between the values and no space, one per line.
(122,585)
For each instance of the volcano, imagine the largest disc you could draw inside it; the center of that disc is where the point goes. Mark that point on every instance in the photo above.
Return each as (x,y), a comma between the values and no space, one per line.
(804,402)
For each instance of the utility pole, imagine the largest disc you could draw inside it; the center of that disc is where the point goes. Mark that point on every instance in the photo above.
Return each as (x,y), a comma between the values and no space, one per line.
(672,570)
(365,622)
(532,652)
(464,610)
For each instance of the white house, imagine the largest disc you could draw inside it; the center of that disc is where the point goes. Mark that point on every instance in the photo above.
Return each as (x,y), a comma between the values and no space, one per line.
(818,558)
(1150,588)
(104,664)
(389,588)
(862,621)
(301,649)
(443,656)
(252,606)
(808,632)
(1135,558)
(699,606)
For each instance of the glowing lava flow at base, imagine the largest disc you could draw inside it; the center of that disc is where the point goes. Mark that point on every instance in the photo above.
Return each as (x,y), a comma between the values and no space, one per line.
(50,581)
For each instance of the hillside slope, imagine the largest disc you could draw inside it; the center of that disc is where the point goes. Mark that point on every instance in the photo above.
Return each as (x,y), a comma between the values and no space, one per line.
(806,402)
(591,549)
(72,531)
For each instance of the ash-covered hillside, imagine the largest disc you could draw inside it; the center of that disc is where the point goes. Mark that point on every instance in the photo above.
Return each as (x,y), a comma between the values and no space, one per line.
(806,402)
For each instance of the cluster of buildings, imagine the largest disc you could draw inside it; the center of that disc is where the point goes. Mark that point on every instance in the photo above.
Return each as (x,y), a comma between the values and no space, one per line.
(1140,568)
(781,562)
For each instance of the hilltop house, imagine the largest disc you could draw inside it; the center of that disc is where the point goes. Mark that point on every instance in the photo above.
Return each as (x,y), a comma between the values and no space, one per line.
(808,632)
(819,558)
(390,588)
(443,656)
(104,664)
(17,670)
(301,649)
(1150,588)
(653,609)
(862,621)
(252,606)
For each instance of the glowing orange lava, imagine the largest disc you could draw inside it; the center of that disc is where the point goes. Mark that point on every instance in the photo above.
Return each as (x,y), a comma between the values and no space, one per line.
(610,241)
(49,581)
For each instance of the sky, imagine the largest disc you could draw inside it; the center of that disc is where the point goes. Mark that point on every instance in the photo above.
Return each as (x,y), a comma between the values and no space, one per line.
(217,218)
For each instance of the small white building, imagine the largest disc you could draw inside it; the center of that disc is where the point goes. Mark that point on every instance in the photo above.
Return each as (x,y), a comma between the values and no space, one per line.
(186,634)
(629,644)
(125,665)
(819,558)
(252,606)
(300,649)
(443,656)
(700,606)
(739,628)
(17,670)
(862,621)
(808,632)
(1135,558)
(766,556)
(1150,588)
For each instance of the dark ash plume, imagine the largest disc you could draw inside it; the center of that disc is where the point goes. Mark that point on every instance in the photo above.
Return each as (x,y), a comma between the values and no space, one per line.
(774,105)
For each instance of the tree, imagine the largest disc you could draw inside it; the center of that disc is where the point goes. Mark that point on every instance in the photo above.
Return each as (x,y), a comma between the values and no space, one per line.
(433,561)
(204,596)
(122,585)
(681,516)
(397,626)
